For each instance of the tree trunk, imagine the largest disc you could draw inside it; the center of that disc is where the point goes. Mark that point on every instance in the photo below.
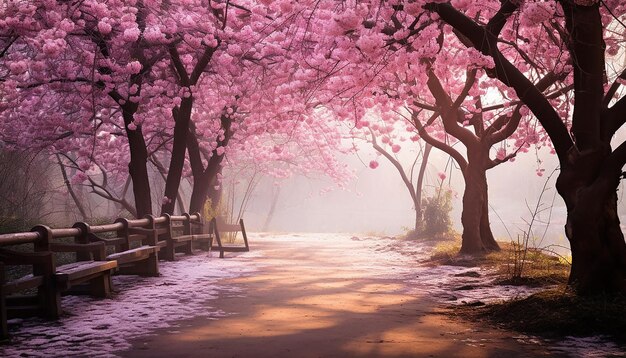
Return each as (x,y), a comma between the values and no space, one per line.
(182,116)
(594,232)
(417,201)
(204,178)
(199,193)
(477,237)
(486,234)
(137,167)
(70,189)
(215,194)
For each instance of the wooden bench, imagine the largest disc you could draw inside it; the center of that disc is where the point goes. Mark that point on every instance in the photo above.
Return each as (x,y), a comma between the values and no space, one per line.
(47,279)
(90,274)
(219,225)
(172,236)
(134,247)
(33,294)
(200,231)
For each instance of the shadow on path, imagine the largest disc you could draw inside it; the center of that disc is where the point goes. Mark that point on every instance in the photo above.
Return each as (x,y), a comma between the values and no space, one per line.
(322,298)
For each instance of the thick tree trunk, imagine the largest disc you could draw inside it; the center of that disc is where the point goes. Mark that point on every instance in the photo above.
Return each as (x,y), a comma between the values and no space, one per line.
(137,167)
(215,191)
(199,193)
(204,178)
(215,194)
(486,234)
(594,232)
(182,116)
(203,190)
(477,237)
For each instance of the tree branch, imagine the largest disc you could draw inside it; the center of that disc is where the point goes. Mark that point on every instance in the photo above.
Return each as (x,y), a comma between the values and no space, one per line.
(396,164)
(509,75)
(457,156)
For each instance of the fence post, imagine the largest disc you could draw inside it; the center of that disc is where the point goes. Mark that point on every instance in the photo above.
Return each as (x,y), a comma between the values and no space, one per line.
(123,233)
(154,240)
(83,238)
(187,224)
(48,294)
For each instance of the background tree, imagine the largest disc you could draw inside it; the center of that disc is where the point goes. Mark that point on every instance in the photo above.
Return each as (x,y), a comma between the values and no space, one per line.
(590,168)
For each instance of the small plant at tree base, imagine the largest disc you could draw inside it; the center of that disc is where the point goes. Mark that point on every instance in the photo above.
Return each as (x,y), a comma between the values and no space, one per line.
(437,208)
(208,212)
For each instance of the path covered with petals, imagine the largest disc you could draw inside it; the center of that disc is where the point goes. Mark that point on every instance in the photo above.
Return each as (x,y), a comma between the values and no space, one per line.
(323,295)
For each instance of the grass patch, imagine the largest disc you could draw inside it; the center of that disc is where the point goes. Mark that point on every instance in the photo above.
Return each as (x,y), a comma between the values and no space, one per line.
(536,269)
(555,313)
(421,236)
(446,252)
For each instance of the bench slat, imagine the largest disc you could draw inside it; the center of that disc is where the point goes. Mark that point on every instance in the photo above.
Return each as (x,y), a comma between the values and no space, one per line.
(229,228)
(23,283)
(182,238)
(79,270)
(231,248)
(132,255)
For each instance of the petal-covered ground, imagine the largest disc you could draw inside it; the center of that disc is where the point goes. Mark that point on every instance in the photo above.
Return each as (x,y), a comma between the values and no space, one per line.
(292,295)
(100,327)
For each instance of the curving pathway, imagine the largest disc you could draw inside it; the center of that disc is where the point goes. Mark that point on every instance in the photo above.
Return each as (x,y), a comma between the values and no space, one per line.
(323,295)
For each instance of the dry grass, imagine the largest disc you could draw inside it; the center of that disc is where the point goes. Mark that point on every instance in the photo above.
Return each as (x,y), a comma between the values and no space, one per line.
(554,312)
(537,268)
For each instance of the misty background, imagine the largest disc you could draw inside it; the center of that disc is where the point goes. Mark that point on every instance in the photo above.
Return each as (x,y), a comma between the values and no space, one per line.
(377,202)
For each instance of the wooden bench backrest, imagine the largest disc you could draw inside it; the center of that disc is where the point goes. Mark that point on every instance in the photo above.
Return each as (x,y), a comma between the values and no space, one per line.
(175,225)
(41,259)
(223,226)
(84,249)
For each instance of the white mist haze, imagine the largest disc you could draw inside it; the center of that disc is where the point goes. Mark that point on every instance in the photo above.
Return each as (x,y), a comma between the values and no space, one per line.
(377,202)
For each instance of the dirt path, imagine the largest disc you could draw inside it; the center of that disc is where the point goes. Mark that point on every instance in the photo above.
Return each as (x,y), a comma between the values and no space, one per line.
(328,297)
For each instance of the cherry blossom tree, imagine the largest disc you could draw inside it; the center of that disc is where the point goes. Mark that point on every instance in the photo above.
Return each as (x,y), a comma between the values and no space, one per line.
(532,53)
(121,84)
(383,59)
(590,168)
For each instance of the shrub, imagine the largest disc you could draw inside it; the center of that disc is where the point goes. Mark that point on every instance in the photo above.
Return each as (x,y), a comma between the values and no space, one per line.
(437,208)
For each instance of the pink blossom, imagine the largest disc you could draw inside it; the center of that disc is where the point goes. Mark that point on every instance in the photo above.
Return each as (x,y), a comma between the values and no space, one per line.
(154,34)
(537,12)
(134,67)
(51,49)
(104,27)
(442,176)
(373,164)
(19,67)
(66,25)
(395,148)
(131,34)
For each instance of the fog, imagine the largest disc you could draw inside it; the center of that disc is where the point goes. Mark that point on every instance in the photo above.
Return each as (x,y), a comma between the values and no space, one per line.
(377,202)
